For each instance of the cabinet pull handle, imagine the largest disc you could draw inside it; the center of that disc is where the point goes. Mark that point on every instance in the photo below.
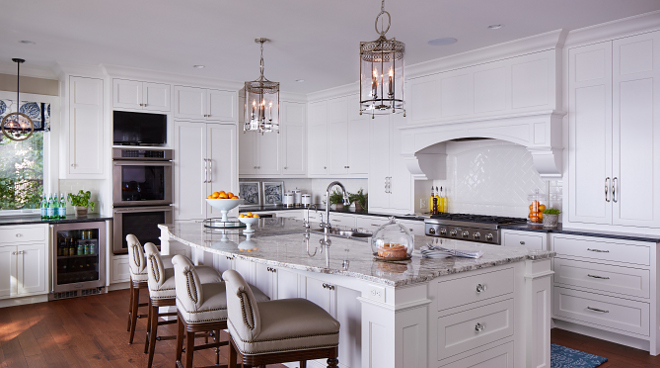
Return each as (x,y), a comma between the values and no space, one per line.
(598,310)
(607,189)
(598,250)
(522,242)
(18,235)
(230,258)
(13,253)
(325,167)
(210,170)
(206,172)
(328,286)
(284,167)
(599,277)
(615,182)
(375,225)
(479,327)
(481,288)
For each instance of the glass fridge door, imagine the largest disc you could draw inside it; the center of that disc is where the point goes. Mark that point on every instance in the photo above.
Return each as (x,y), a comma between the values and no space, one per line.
(78,254)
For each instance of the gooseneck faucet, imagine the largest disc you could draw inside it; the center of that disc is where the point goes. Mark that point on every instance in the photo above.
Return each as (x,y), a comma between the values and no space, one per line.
(326,225)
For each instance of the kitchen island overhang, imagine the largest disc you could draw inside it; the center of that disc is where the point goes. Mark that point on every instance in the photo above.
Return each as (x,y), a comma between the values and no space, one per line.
(418,313)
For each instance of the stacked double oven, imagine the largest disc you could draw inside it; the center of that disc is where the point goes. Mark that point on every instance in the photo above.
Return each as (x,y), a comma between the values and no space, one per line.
(142,194)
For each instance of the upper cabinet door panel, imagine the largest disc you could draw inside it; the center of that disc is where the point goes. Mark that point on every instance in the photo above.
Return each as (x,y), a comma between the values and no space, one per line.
(85,129)
(532,81)
(190,102)
(190,171)
(222,152)
(424,104)
(456,95)
(318,113)
(490,86)
(636,130)
(127,94)
(156,97)
(222,105)
(293,134)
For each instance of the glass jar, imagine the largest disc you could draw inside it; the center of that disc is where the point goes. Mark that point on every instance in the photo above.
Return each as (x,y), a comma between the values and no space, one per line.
(392,241)
(536,207)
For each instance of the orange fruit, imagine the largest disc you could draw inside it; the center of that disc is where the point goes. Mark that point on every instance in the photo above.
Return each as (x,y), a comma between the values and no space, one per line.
(241,215)
(534,218)
(230,194)
(255,216)
(234,197)
(222,196)
(531,207)
(221,192)
(214,196)
(216,193)
(541,207)
(249,214)
(540,217)
(210,196)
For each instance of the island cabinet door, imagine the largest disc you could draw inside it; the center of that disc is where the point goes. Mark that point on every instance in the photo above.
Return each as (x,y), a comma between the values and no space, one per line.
(288,284)
(7,269)
(349,315)
(223,263)
(266,279)
(322,294)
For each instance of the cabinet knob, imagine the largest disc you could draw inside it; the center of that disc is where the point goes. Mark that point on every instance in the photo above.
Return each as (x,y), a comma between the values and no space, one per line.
(481,288)
(328,286)
(18,235)
(285,167)
(73,165)
(479,327)
(522,242)
(324,167)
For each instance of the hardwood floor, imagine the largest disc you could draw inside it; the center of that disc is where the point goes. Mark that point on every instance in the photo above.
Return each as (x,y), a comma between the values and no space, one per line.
(84,332)
(91,332)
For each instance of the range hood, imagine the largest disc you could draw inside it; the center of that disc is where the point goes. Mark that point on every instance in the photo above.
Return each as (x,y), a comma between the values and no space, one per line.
(539,132)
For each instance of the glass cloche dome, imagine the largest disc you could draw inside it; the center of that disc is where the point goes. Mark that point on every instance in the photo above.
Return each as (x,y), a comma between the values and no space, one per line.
(392,241)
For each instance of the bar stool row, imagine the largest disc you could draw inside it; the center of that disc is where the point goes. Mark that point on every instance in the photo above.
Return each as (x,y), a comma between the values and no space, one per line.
(261,331)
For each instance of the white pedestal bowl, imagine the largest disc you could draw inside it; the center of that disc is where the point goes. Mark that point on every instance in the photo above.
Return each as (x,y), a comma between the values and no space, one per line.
(224,205)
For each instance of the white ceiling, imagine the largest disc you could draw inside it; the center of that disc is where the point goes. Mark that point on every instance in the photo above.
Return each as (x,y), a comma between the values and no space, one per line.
(312,40)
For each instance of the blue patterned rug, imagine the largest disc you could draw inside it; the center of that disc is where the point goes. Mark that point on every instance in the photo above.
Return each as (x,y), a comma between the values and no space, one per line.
(563,357)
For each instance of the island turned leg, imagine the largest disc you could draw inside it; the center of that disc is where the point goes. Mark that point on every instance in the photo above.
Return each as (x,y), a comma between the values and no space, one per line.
(332,362)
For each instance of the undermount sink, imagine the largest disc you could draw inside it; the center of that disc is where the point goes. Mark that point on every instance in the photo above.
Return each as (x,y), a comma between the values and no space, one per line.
(344,233)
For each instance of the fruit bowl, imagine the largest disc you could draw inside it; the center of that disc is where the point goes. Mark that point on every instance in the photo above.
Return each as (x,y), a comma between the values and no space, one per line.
(224,205)
(248,221)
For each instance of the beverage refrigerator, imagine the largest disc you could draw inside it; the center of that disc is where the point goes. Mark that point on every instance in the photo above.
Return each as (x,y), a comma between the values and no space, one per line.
(78,252)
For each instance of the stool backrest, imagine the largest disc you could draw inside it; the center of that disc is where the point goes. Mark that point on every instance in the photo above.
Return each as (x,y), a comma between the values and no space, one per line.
(136,259)
(188,287)
(242,308)
(155,267)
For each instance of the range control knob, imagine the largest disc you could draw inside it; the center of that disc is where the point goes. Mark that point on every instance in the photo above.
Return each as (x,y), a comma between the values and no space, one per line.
(476,236)
(431,231)
(466,234)
(443,231)
(489,237)
(453,233)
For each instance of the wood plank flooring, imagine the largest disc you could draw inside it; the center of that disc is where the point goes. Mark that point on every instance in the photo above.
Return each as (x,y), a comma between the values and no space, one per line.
(84,332)
(91,332)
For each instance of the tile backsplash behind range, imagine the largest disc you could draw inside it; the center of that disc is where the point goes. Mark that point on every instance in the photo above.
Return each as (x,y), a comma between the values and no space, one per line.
(491,177)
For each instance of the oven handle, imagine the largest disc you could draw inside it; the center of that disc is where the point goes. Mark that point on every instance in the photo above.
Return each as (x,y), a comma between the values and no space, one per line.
(143,209)
(142,163)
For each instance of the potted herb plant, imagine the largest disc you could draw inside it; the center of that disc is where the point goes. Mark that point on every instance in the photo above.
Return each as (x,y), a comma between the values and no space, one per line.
(360,199)
(81,202)
(551,217)
(337,200)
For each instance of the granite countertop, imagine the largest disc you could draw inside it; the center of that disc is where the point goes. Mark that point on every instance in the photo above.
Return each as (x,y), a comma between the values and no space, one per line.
(321,208)
(36,219)
(285,243)
(560,230)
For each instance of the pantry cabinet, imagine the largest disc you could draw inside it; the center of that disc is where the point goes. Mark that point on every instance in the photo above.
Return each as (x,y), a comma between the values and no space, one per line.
(293,131)
(24,270)
(317,139)
(614,131)
(206,161)
(204,104)
(137,95)
(260,154)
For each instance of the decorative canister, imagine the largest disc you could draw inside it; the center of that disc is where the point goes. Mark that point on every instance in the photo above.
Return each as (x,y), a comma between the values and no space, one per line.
(392,241)
(306,200)
(288,201)
(297,197)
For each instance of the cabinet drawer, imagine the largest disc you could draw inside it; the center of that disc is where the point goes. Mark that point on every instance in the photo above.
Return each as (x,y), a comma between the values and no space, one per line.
(475,288)
(22,234)
(415,227)
(597,276)
(475,327)
(498,357)
(370,223)
(603,249)
(120,271)
(342,220)
(618,314)
(527,240)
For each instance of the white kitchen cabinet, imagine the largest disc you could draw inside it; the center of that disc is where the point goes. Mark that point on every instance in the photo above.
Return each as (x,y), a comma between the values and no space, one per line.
(318,141)
(614,131)
(136,95)
(24,270)
(293,131)
(119,271)
(260,154)
(82,147)
(390,182)
(526,239)
(206,161)
(205,104)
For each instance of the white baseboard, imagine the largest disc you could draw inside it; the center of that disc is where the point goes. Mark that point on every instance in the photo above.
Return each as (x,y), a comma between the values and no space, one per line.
(119,286)
(603,335)
(23,301)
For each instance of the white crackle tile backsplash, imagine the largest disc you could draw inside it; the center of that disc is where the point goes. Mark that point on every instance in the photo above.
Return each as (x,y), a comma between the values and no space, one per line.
(491,177)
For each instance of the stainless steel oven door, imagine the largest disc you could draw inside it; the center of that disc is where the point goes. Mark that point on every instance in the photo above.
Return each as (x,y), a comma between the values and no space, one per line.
(139,221)
(142,183)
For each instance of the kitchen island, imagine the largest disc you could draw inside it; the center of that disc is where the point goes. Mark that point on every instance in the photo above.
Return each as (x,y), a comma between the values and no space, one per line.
(419,313)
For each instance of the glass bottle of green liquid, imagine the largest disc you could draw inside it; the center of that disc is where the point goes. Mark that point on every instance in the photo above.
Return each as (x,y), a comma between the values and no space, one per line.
(50,210)
(44,207)
(62,208)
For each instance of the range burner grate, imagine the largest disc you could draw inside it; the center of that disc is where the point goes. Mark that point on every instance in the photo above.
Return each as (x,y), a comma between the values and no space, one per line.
(478,218)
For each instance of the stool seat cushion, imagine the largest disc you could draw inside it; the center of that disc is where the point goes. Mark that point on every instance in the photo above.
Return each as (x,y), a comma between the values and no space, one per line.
(168,289)
(214,305)
(289,325)
(144,275)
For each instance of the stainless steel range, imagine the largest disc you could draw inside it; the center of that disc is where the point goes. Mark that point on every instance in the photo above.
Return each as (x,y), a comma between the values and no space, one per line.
(477,228)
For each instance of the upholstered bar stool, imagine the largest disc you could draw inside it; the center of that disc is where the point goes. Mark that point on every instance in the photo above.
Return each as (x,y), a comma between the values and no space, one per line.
(162,293)
(137,266)
(200,307)
(277,331)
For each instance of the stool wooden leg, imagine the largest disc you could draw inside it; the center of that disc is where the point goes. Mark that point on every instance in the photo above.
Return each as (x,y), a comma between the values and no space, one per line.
(303,364)
(233,356)
(153,318)
(134,311)
(130,305)
(190,349)
(146,341)
(332,362)
(217,350)
(179,340)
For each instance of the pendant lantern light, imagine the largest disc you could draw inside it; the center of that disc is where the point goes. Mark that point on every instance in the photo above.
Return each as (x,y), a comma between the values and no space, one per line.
(17,126)
(262,101)
(381,71)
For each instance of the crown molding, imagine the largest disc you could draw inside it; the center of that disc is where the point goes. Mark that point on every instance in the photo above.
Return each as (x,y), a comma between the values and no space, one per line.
(119,71)
(293,97)
(615,29)
(28,70)
(340,91)
(66,67)
(528,45)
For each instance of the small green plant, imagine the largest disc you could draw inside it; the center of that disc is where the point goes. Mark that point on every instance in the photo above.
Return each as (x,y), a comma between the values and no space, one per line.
(551,211)
(360,198)
(81,199)
(336,197)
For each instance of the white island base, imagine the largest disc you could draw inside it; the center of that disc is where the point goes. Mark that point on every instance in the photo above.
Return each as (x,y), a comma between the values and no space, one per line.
(491,312)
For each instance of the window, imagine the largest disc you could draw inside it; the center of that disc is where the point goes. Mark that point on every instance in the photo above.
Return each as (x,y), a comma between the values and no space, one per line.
(22,162)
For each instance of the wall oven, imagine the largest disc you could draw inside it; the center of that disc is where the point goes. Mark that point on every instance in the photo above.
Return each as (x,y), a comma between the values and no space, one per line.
(142,177)
(139,221)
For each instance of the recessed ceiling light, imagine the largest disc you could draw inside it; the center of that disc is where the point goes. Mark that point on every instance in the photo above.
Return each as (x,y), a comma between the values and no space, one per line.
(442,41)
(495,26)
(198,66)
(27,42)
(300,80)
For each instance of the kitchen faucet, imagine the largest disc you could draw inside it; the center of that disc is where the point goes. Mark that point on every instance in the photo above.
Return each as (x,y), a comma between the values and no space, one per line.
(326,225)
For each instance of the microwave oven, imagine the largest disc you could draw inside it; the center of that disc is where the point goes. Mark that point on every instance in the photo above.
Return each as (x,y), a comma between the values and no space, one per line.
(139,129)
